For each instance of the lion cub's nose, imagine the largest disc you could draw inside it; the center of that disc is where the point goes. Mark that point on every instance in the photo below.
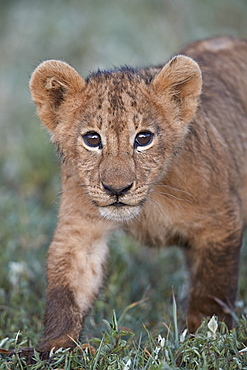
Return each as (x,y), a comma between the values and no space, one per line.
(111,190)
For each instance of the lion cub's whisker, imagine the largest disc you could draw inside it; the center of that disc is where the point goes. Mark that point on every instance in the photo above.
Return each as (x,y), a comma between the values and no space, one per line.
(171,195)
(166,196)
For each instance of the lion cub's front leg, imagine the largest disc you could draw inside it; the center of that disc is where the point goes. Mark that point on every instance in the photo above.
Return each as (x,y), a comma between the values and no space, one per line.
(74,276)
(75,265)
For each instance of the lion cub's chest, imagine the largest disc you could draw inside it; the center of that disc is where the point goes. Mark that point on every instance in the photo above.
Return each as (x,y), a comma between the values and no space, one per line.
(158,225)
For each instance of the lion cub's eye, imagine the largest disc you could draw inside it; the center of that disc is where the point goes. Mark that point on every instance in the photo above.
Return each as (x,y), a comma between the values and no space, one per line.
(92,139)
(144,138)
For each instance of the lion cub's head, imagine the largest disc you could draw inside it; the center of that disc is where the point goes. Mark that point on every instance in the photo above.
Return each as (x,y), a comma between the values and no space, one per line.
(119,129)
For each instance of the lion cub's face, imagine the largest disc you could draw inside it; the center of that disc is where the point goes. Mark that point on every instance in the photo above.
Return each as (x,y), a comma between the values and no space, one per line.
(120,146)
(119,129)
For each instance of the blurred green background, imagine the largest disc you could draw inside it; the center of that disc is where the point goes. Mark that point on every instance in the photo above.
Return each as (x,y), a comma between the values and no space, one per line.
(88,34)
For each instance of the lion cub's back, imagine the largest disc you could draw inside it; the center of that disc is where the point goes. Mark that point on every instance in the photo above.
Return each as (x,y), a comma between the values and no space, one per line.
(222,59)
(223,62)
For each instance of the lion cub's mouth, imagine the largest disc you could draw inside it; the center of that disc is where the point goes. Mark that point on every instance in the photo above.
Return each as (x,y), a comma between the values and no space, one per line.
(120,208)
(119,212)
(118,204)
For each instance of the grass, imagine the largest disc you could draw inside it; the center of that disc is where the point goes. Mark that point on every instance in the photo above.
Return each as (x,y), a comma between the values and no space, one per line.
(212,347)
(136,323)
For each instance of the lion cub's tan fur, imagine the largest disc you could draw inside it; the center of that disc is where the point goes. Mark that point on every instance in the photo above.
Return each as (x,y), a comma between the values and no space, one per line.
(145,150)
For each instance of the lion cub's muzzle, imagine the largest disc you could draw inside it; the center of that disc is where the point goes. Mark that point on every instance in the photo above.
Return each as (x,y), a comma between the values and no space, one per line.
(120,203)
(117,193)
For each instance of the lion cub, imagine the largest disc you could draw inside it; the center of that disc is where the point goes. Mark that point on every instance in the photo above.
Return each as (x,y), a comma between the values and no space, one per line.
(160,152)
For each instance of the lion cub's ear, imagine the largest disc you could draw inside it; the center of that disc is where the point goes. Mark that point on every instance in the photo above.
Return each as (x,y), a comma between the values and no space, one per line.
(181,81)
(51,83)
